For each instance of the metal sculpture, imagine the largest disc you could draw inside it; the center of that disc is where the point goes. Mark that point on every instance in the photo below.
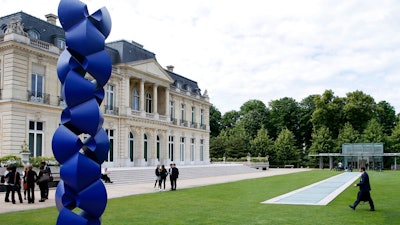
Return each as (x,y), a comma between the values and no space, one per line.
(83,69)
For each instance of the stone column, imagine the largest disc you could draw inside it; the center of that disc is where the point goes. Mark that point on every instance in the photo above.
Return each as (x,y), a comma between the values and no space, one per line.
(141,107)
(155,100)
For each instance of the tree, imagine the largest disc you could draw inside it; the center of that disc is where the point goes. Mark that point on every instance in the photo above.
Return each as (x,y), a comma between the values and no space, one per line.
(229,119)
(386,116)
(394,139)
(284,113)
(322,141)
(347,135)
(253,105)
(359,108)
(285,145)
(307,108)
(215,121)
(328,112)
(238,143)
(373,133)
(263,145)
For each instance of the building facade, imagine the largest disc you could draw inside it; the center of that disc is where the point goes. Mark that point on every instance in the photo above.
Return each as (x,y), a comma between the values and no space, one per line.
(151,114)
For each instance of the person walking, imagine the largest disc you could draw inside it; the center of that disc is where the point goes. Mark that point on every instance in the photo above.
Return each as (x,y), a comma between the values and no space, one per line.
(364,192)
(24,181)
(163,175)
(158,177)
(173,176)
(31,178)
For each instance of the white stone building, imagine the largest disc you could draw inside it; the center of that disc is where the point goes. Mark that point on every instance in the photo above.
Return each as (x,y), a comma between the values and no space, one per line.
(151,114)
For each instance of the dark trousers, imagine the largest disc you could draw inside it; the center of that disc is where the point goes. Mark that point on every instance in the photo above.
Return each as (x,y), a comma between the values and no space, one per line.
(364,196)
(18,190)
(173,183)
(8,190)
(31,194)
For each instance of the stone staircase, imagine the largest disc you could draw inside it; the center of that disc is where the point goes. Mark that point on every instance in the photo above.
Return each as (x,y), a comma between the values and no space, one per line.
(137,175)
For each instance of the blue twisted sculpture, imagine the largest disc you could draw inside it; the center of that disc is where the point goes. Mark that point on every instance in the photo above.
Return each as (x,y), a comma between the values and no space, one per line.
(80,186)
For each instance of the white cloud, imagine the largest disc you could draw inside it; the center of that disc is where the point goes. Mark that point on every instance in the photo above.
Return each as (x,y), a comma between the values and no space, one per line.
(262,49)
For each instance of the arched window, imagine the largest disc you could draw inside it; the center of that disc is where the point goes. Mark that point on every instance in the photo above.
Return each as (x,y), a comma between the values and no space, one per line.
(149,102)
(131,146)
(33,34)
(135,99)
(145,147)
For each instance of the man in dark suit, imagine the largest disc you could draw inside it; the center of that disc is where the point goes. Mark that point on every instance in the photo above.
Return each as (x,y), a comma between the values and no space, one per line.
(173,176)
(364,193)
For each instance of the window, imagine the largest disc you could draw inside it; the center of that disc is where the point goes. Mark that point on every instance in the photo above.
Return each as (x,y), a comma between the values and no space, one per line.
(131,146)
(202,150)
(158,147)
(135,99)
(149,102)
(35,138)
(37,86)
(110,97)
(59,42)
(33,34)
(182,149)
(201,117)
(171,110)
(193,114)
(192,149)
(183,112)
(145,147)
(110,134)
(171,148)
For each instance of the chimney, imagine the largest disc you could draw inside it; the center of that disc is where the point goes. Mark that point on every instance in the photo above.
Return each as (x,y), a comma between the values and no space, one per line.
(170,68)
(51,18)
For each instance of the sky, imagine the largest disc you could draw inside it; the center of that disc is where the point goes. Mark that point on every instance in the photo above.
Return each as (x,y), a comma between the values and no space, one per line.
(261,49)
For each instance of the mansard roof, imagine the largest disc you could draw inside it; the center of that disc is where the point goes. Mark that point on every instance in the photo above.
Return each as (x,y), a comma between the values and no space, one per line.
(47,31)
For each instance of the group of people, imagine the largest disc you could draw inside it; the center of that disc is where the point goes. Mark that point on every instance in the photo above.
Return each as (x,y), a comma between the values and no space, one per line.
(161,176)
(14,181)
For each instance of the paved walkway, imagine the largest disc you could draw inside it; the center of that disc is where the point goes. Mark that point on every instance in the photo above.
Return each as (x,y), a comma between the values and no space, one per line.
(122,190)
(320,193)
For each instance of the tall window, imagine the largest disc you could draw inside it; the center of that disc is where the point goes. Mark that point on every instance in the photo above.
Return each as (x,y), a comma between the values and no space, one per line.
(182,112)
(37,85)
(145,147)
(158,147)
(131,146)
(110,97)
(171,148)
(182,149)
(201,117)
(192,149)
(202,150)
(135,99)
(193,115)
(35,138)
(149,102)
(110,134)
(171,110)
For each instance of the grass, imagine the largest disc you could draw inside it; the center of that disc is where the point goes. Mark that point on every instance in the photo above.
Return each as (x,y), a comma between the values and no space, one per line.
(239,203)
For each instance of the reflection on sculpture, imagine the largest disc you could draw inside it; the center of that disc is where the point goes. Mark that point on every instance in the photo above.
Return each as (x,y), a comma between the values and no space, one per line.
(81,197)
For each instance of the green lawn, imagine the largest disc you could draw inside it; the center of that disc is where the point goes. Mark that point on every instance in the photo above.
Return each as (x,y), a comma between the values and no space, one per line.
(239,203)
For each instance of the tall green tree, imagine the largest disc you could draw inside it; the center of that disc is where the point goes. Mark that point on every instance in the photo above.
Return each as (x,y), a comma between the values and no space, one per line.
(359,109)
(307,108)
(229,119)
(373,133)
(284,113)
(285,146)
(253,105)
(394,139)
(328,112)
(386,116)
(263,145)
(347,135)
(322,141)
(215,121)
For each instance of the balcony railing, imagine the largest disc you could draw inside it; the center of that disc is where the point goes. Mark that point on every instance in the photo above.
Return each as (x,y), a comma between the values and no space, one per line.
(38,97)
(193,125)
(183,123)
(61,102)
(110,109)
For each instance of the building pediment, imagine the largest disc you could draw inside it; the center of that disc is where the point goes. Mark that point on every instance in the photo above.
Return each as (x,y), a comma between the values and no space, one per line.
(151,67)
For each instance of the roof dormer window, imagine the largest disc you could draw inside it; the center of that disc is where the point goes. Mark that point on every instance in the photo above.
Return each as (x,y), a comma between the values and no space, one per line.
(33,34)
